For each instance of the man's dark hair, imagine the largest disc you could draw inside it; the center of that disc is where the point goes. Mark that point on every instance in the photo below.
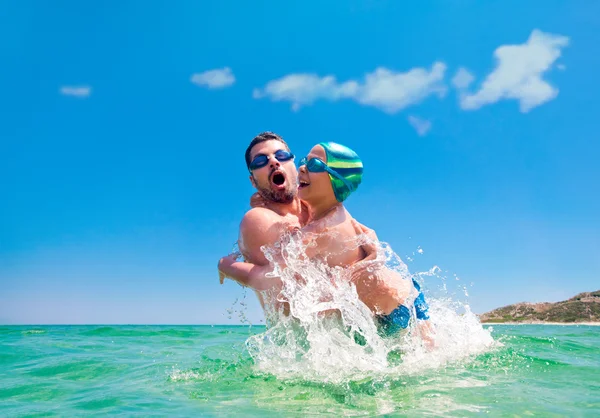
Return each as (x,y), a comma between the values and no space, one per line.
(262,137)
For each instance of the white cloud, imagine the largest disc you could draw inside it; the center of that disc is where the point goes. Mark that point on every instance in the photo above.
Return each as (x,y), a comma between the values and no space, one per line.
(384,89)
(76,91)
(304,89)
(518,73)
(462,79)
(422,126)
(214,79)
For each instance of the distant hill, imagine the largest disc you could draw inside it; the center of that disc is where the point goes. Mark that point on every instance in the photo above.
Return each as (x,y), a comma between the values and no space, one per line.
(584,307)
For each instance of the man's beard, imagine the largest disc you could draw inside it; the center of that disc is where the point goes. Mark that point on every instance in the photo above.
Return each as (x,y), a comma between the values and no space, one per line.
(286,195)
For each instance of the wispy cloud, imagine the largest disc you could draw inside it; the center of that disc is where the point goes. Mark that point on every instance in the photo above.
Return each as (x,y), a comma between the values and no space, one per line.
(214,79)
(518,74)
(384,89)
(76,91)
(462,79)
(422,126)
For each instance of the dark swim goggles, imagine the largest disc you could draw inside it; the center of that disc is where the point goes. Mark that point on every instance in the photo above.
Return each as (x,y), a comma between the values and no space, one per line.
(316,165)
(262,160)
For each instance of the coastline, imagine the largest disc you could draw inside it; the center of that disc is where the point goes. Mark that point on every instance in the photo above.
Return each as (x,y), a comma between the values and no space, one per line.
(592,324)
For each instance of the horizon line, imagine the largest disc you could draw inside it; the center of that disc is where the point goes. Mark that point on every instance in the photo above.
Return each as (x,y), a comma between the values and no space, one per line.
(126,324)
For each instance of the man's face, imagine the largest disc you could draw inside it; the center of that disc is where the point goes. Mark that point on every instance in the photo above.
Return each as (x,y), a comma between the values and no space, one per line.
(277,181)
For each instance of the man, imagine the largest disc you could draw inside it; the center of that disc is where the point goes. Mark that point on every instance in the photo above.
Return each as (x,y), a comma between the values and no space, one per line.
(273,173)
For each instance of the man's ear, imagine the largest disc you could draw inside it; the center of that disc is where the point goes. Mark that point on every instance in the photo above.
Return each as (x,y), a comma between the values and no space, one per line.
(252,181)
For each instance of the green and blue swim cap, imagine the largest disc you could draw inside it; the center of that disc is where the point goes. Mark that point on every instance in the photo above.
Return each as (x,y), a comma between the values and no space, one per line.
(347,164)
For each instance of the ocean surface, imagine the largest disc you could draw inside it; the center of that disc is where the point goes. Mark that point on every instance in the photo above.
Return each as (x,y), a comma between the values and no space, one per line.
(531,370)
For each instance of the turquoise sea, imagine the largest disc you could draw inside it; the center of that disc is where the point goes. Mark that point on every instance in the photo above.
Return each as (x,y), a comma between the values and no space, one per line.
(536,370)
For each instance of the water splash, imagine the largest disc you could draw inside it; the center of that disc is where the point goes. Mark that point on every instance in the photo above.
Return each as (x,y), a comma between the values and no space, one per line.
(239,307)
(331,336)
(33,331)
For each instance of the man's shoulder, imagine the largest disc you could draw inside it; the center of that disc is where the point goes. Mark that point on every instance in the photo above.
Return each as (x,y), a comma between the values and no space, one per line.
(259,219)
(260,215)
(260,226)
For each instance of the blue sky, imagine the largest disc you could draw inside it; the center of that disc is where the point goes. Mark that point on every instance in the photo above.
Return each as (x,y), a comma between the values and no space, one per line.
(123,127)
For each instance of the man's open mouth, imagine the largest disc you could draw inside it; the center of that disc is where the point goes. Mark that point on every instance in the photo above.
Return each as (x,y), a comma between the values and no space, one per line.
(278,178)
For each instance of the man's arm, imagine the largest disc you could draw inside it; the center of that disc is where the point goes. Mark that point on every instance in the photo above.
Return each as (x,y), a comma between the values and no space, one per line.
(246,274)
(260,227)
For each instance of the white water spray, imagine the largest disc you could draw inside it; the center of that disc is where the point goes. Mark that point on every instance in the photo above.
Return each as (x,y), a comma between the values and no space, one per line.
(331,336)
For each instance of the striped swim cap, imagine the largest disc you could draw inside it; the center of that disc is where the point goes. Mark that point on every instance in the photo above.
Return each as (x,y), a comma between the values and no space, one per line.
(347,164)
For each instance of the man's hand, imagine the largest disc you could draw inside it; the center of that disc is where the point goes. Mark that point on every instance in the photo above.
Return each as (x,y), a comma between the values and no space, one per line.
(224,263)
(361,229)
(369,246)
(373,260)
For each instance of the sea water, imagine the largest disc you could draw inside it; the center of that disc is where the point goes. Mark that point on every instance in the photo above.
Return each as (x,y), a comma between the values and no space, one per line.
(307,362)
(536,370)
